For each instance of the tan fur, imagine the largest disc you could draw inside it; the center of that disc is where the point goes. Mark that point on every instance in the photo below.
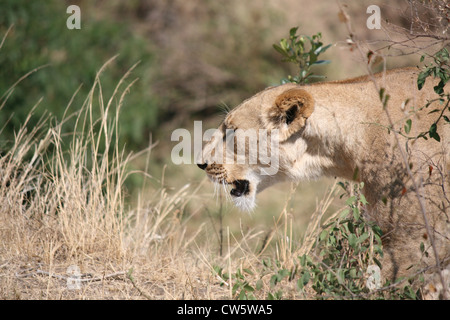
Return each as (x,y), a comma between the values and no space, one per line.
(341,128)
(295,99)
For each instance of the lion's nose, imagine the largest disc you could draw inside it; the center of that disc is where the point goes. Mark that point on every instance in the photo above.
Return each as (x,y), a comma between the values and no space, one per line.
(202,166)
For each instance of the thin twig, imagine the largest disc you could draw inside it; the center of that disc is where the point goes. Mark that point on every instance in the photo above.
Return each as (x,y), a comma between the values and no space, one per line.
(78,278)
(130,277)
(6,34)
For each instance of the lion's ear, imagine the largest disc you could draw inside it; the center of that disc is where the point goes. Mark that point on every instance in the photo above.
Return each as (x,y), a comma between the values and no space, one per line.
(289,112)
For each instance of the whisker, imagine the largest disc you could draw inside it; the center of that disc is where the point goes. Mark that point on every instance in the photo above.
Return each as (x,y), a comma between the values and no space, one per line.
(224,108)
(217,192)
(225,190)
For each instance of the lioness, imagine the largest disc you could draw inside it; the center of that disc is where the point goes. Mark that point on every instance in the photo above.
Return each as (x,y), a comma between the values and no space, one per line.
(341,129)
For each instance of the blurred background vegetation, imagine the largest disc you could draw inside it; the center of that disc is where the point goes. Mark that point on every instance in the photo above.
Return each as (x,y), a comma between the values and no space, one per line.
(195,57)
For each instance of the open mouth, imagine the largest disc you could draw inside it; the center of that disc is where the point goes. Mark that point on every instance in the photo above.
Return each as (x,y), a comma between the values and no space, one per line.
(241,187)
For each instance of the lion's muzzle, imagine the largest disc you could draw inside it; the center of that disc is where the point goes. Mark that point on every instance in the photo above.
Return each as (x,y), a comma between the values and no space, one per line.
(241,187)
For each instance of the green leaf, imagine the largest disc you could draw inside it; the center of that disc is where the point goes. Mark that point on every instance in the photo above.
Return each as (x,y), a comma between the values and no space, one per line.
(285,46)
(409,292)
(433,132)
(377,230)
(356,213)
(303,73)
(332,239)
(378,263)
(439,89)
(341,276)
(312,59)
(381,93)
(248,271)
(363,237)
(283,274)
(344,214)
(350,200)
(273,280)
(316,51)
(293,31)
(280,50)
(321,62)
(305,279)
(259,284)
(352,240)
(408,125)
(386,99)
(422,77)
(303,260)
(351,227)
(218,270)
(248,288)
(325,48)
(342,185)
(267,263)
(235,288)
(355,173)
(362,199)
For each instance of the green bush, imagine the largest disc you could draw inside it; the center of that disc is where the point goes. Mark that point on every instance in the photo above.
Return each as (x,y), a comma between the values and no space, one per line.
(39,37)
(345,249)
(303,51)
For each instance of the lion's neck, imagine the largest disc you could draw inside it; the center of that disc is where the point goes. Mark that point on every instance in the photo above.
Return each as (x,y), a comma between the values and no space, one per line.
(328,145)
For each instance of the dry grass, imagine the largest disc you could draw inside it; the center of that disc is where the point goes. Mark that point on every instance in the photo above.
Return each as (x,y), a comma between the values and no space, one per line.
(61,210)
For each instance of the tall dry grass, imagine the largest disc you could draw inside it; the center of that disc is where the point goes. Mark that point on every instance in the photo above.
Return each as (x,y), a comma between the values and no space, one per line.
(63,204)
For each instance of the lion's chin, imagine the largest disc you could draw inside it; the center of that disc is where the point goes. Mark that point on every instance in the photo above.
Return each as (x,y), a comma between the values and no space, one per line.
(245,202)
(243,196)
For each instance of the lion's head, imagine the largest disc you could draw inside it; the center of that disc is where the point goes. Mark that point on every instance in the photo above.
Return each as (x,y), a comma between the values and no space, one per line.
(253,146)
